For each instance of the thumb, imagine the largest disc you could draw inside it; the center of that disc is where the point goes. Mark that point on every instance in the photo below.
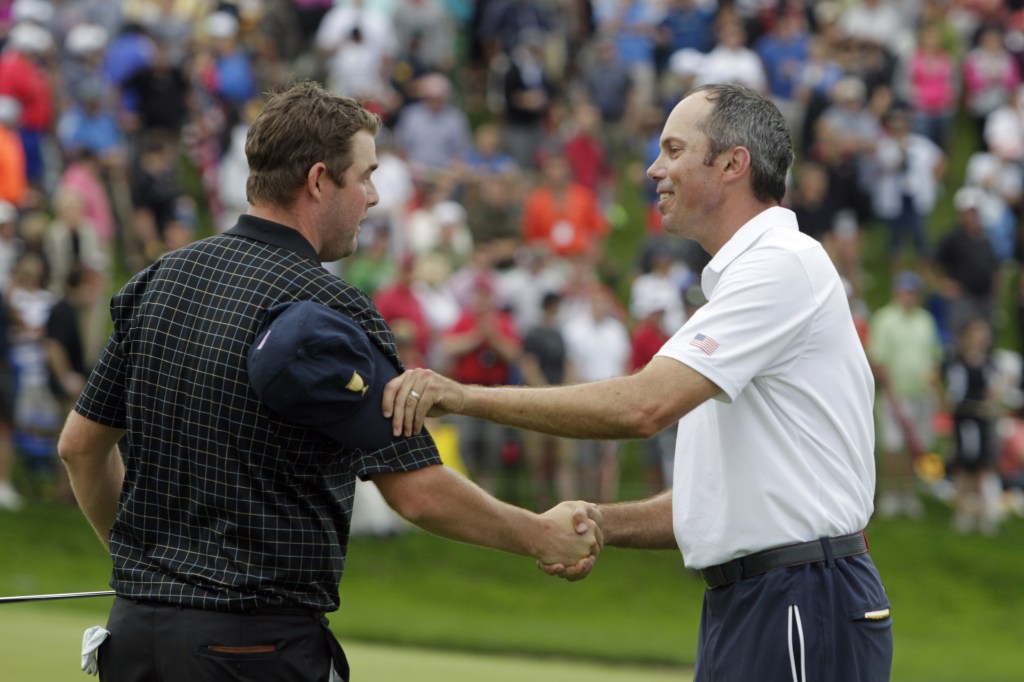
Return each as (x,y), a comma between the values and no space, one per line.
(580,520)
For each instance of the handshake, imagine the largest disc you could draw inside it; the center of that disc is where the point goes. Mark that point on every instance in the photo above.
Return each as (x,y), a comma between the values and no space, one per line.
(572,542)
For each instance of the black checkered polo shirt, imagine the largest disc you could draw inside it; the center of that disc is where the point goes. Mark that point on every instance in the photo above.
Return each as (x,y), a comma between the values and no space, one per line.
(225,506)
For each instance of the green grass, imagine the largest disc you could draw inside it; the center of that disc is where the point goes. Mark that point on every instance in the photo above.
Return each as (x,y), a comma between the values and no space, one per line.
(957,601)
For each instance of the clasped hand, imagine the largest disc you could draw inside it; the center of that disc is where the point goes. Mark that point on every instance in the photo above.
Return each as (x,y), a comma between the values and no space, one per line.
(570,550)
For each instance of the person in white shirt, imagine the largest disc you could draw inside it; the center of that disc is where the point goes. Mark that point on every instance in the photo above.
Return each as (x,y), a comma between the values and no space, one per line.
(774,468)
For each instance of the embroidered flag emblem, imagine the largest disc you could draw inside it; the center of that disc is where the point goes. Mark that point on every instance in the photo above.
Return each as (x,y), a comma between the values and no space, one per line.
(705,343)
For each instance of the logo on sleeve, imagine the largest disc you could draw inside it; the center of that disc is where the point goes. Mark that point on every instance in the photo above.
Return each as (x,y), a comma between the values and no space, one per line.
(705,343)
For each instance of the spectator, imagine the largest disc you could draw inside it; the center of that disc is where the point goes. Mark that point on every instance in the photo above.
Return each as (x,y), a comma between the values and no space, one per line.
(397,301)
(84,176)
(25,77)
(968,269)
(425,32)
(991,76)
(999,177)
(599,348)
(545,362)
(687,24)
(162,89)
(973,389)
(534,274)
(904,348)
(433,132)
(587,154)
(909,168)
(91,123)
(933,76)
(482,347)
(65,355)
(528,100)
(632,24)
(36,413)
(660,284)
(784,50)
(564,215)
(731,61)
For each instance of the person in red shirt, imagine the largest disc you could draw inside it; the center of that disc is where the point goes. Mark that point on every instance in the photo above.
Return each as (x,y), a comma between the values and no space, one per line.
(24,78)
(397,301)
(482,348)
(563,214)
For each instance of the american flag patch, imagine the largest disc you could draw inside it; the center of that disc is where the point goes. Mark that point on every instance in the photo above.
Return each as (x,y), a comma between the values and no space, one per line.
(705,343)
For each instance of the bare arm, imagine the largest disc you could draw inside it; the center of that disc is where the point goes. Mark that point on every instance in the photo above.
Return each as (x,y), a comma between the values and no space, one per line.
(636,406)
(89,452)
(448,504)
(644,524)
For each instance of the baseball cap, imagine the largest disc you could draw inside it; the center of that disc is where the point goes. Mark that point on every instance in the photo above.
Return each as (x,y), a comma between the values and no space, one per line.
(316,367)
(907,281)
(967,198)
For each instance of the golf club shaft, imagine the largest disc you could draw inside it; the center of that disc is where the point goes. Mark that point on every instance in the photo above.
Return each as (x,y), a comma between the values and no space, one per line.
(46,597)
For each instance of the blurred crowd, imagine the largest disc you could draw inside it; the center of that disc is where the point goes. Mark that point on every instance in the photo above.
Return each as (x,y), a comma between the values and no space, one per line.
(516,137)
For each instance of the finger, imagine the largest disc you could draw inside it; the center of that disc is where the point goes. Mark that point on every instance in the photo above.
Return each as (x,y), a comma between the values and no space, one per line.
(551,569)
(390,392)
(411,405)
(580,570)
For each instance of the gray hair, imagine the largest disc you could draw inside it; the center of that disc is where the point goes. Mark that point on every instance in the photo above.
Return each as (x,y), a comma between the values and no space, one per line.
(742,117)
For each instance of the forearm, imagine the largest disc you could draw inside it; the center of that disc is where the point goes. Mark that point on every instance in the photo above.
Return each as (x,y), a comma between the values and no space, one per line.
(444,502)
(645,524)
(95,470)
(97,487)
(603,410)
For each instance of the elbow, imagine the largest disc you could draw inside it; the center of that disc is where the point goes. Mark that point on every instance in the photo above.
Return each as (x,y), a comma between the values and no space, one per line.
(643,422)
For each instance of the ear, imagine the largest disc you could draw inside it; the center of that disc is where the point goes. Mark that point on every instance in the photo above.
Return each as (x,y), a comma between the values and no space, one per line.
(316,176)
(736,164)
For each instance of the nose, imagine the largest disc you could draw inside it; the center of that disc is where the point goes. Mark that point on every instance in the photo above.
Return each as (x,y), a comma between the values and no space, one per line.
(372,198)
(656,171)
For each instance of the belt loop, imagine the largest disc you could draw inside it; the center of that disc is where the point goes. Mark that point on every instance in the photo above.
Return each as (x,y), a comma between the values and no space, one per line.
(826,546)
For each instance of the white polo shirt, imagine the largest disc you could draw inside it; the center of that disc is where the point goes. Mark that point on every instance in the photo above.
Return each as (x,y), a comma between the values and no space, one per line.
(785,454)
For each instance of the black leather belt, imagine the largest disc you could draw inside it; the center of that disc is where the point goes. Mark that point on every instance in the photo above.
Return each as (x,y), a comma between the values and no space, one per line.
(783,557)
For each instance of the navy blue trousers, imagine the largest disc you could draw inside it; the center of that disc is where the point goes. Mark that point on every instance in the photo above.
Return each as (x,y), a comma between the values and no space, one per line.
(827,621)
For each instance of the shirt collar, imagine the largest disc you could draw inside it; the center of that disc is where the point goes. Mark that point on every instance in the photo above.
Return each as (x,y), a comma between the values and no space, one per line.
(742,240)
(269,232)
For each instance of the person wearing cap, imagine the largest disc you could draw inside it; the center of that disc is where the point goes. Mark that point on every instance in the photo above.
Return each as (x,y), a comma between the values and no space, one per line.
(906,352)
(243,380)
(774,465)
(967,266)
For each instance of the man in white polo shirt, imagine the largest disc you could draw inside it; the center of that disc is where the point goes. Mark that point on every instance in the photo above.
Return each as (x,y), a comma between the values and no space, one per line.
(774,470)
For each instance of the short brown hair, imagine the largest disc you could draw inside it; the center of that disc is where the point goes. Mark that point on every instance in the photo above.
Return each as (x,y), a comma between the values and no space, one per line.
(299,127)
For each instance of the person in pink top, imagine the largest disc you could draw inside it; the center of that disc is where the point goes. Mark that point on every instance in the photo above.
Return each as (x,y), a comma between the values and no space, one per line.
(934,81)
(83,177)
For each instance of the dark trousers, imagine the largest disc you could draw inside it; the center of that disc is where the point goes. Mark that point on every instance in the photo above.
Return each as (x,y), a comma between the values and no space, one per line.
(158,643)
(823,621)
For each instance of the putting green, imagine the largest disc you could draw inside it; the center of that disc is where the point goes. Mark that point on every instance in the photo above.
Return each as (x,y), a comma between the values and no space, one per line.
(41,643)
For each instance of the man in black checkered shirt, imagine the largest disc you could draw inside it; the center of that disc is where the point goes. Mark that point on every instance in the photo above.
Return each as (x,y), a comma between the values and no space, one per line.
(227,519)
